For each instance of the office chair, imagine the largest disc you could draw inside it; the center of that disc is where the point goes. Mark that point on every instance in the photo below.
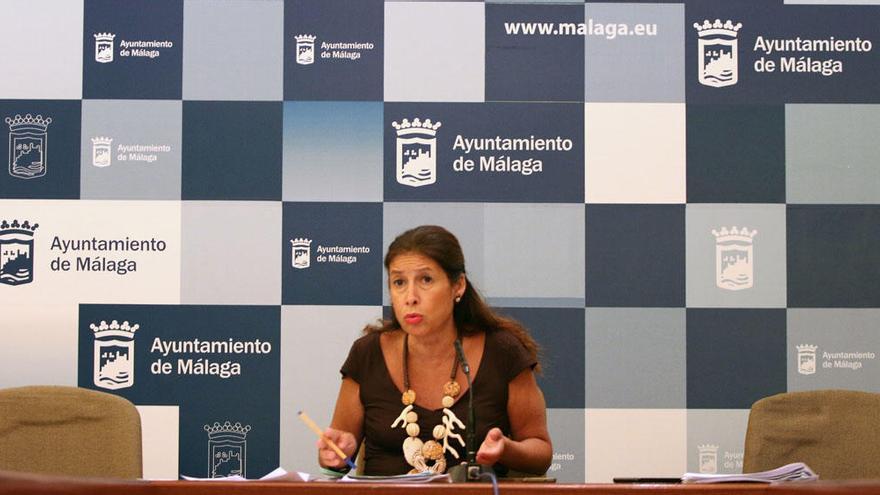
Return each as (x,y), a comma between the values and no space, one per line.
(69,431)
(835,432)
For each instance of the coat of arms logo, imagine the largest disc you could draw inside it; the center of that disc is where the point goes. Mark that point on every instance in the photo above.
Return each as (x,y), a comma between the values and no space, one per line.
(717,53)
(102,153)
(708,458)
(301,252)
(305,49)
(28,142)
(104,47)
(416,159)
(734,258)
(806,359)
(227,449)
(17,252)
(114,354)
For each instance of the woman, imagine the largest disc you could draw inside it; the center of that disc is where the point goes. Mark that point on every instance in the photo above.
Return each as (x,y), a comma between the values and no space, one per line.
(404,391)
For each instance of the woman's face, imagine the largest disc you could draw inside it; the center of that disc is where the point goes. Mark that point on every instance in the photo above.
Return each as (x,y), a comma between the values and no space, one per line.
(422,296)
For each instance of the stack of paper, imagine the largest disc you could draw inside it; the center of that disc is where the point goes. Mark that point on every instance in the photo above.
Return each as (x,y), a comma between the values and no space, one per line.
(279,474)
(797,471)
(424,477)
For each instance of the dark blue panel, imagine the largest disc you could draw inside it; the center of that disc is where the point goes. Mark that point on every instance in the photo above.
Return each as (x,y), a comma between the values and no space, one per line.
(841,67)
(560,334)
(735,154)
(332,253)
(176,378)
(143,56)
(518,152)
(734,357)
(232,150)
(333,49)
(635,255)
(833,256)
(44,136)
(531,67)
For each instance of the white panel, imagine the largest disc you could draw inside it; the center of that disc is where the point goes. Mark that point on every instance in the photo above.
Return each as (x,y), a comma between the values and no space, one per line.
(635,443)
(160,427)
(39,345)
(49,65)
(635,152)
(156,275)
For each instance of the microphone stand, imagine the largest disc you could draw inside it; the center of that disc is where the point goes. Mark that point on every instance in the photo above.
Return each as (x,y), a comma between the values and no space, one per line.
(469,470)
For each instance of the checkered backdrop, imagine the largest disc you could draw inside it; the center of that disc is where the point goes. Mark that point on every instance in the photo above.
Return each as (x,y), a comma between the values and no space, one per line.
(680,200)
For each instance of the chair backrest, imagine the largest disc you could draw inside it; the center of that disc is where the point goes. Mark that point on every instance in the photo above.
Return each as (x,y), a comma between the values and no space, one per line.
(835,432)
(69,431)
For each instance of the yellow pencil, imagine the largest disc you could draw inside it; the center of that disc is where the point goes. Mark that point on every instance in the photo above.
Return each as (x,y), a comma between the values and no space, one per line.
(315,428)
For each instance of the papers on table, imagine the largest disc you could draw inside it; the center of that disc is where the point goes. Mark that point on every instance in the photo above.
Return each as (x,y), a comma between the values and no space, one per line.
(797,471)
(279,474)
(424,477)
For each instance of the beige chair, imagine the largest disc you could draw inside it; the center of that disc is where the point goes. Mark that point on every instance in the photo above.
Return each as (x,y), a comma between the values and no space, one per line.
(69,431)
(835,432)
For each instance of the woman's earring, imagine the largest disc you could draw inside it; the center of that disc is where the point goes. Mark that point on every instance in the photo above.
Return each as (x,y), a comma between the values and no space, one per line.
(458,299)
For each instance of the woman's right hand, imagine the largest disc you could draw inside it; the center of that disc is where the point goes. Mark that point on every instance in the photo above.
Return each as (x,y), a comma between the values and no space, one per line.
(327,457)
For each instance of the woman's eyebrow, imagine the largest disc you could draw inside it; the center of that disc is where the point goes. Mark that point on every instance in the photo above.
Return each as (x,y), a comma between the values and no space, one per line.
(417,270)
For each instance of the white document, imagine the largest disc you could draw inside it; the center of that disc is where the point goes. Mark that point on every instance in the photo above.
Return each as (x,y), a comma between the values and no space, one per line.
(425,477)
(797,471)
(278,474)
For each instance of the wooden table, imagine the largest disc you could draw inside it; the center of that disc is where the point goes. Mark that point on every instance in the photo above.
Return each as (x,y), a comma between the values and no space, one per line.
(27,484)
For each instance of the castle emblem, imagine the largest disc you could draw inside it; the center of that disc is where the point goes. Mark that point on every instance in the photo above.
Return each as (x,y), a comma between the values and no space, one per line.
(305,49)
(708,458)
(27,146)
(806,359)
(101,151)
(114,354)
(416,161)
(104,47)
(17,252)
(301,252)
(717,53)
(227,449)
(734,258)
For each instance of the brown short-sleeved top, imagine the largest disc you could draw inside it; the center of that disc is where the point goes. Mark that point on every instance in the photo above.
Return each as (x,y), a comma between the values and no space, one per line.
(504,357)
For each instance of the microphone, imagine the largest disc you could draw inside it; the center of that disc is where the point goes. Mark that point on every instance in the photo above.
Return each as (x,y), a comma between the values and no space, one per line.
(469,470)
(463,360)
(472,423)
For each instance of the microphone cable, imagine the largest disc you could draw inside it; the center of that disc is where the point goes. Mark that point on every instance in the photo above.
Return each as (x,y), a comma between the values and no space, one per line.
(494,479)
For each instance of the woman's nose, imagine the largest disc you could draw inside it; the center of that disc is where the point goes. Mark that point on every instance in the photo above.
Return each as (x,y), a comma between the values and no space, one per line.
(412,296)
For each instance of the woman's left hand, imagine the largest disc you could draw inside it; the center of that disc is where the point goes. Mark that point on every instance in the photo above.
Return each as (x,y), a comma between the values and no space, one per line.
(492,448)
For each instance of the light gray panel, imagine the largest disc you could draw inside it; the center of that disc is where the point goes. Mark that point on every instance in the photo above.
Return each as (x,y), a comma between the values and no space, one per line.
(144,160)
(233,50)
(768,259)
(566,427)
(635,358)
(464,220)
(632,68)
(532,1)
(332,151)
(39,344)
(434,51)
(715,440)
(832,2)
(315,341)
(231,252)
(41,45)
(833,348)
(831,154)
(534,250)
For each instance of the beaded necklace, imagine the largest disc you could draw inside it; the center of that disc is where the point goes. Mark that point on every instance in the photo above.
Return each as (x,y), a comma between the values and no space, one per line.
(419,454)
